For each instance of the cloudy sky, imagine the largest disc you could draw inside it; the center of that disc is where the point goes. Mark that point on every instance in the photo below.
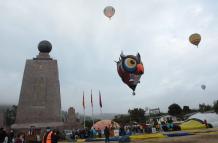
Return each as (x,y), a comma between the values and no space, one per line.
(86,44)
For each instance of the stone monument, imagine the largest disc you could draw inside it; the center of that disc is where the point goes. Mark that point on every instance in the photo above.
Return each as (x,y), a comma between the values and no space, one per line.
(40,103)
(72,121)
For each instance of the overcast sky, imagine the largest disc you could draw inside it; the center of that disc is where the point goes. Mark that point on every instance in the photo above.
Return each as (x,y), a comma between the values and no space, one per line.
(86,44)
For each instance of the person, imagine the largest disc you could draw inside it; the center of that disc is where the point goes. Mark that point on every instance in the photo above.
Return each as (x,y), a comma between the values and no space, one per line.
(76,134)
(99,132)
(121,131)
(93,132)
(19,139)
(11,136)
(169,123)
(38,139)
(2,135)
(106,134)
(48,136)
(6,139)
(72,136)
(205,122)
(55,136)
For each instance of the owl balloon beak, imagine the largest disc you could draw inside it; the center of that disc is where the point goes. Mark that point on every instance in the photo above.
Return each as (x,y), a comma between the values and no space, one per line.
(140,69)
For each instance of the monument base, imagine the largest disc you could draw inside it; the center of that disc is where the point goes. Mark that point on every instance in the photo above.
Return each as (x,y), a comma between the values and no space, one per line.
(38,125)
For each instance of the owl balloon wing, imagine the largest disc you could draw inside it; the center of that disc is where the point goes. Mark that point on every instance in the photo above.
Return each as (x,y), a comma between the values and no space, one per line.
(130,69)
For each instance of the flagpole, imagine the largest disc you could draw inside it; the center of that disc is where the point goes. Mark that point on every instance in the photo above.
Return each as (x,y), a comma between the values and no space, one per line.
(92,109)
(100,102)
(92,117)
(84,118)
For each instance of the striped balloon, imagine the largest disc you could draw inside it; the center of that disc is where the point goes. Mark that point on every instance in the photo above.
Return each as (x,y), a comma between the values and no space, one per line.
(195,39)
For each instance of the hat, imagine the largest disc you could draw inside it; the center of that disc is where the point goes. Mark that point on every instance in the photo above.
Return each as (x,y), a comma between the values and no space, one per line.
(48,129)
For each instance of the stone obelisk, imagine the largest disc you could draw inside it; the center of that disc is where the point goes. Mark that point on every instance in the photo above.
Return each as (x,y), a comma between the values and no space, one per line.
(40,103)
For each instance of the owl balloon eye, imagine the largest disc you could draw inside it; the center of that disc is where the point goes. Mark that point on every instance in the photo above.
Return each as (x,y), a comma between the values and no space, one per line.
(130,64)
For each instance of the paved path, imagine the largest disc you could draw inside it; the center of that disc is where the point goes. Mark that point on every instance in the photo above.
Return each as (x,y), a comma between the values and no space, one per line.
(200,136)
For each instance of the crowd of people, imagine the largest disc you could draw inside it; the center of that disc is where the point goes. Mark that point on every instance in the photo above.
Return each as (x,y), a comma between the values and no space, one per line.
(124,130)
(54,135)
(91,133)
(50,136)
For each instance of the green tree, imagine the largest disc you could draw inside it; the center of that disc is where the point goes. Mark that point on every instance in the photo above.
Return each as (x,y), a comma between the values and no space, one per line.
(137,115)
(10,115)
(175,110)
(64,116)
(122,119)
(204,108)
(186,110)
(89,122)
(215,106)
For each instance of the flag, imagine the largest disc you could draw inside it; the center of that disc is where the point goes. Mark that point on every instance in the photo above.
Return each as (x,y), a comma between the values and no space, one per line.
(100,102)
(83,101)
(91,99)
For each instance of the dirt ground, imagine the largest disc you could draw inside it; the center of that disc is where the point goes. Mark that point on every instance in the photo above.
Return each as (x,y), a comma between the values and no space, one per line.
(202,138)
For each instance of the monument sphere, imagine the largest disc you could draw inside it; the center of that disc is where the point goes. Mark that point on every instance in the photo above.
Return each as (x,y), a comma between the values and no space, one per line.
(44,46)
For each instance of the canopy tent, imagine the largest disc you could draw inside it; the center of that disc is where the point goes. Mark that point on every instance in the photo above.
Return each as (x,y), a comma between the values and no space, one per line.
(100,125)
(211,118)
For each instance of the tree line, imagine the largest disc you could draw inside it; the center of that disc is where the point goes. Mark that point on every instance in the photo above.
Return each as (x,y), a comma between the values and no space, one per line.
(138,114)
(134,115)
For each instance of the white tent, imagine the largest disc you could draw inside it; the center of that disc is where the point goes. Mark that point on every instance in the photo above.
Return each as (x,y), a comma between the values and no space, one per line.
(211,118)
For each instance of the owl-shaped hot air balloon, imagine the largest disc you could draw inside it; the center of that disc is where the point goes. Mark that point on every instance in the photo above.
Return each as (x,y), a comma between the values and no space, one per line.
(130,69)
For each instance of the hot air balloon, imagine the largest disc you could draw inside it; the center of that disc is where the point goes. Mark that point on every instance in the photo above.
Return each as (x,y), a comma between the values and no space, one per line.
(109,11)
(203,87)
(130,69)
(195,39)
